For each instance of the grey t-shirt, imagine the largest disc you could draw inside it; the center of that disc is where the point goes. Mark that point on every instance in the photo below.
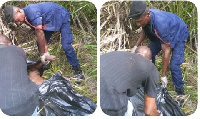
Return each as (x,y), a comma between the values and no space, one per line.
(121,74)
(17,91)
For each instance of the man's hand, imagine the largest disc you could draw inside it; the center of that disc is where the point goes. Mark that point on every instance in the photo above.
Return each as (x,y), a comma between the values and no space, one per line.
(133,49)
(164,81)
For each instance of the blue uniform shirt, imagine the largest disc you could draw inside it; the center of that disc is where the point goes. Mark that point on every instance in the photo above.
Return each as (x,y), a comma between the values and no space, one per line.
(49,13)
(170,27)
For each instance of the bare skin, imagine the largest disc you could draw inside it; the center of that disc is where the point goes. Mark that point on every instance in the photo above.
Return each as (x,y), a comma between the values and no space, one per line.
(143,51)
(150,108)
(41,40)
(19,16)
(35,77)
(165,58)
(34,74)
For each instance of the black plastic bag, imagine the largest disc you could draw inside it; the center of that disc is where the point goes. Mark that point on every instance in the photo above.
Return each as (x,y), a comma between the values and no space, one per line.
(58,98)
(164,103)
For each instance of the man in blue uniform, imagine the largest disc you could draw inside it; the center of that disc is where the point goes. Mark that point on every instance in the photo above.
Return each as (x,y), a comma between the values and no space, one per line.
(46,18)
(167,32)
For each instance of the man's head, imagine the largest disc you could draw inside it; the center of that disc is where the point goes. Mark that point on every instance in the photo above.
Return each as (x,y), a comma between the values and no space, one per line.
(139,12)
(143,51)
(14,14)
(5,40)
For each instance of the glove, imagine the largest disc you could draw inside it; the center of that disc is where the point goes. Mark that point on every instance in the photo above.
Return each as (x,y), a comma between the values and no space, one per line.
(46,58)
(43,58)
(164,81)
(133,49)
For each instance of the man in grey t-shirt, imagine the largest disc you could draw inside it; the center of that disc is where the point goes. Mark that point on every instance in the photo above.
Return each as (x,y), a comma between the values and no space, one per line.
(18,92)
(121,75)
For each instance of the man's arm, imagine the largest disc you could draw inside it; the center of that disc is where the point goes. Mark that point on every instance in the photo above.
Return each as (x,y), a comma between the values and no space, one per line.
(140,39)
(43,48)
(41,39)
(165,58)
(150,108)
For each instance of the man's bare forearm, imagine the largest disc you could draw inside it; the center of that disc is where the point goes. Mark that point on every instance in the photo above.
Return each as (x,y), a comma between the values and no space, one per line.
(165,59)
(41,41)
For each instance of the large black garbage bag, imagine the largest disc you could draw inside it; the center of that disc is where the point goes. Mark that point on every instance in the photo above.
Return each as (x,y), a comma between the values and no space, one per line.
(164,103)
(58,98)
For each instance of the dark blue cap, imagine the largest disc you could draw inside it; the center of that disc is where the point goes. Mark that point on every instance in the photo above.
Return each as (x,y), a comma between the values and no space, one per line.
(8,13)
(137,9)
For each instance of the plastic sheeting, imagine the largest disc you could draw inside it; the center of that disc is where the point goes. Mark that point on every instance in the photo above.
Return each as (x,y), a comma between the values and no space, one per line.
(164,103)
(58,98)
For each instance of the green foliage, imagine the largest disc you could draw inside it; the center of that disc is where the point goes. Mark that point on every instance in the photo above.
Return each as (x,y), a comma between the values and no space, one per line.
(84,11)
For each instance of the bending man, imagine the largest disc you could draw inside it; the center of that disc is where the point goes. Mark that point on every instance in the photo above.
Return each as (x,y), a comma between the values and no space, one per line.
(45,20)
(167,32)
(121,75)
(18,92)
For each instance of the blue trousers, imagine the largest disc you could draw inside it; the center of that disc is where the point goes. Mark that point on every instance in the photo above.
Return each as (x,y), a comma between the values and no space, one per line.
(67,39)
(177,59)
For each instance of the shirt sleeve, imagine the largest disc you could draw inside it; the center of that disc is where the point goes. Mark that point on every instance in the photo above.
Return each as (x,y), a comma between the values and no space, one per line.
(35,17)
(151,83)
(163,30)
(166,27)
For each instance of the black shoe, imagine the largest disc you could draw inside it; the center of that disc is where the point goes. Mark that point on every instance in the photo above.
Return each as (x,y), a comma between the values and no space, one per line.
(79,75)
(180,91)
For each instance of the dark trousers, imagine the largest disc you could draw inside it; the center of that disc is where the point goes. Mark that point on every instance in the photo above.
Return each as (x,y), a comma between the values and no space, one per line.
(177,58)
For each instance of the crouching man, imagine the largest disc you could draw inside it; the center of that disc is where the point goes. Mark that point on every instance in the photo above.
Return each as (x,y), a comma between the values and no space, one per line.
(121,75)
(18,88)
